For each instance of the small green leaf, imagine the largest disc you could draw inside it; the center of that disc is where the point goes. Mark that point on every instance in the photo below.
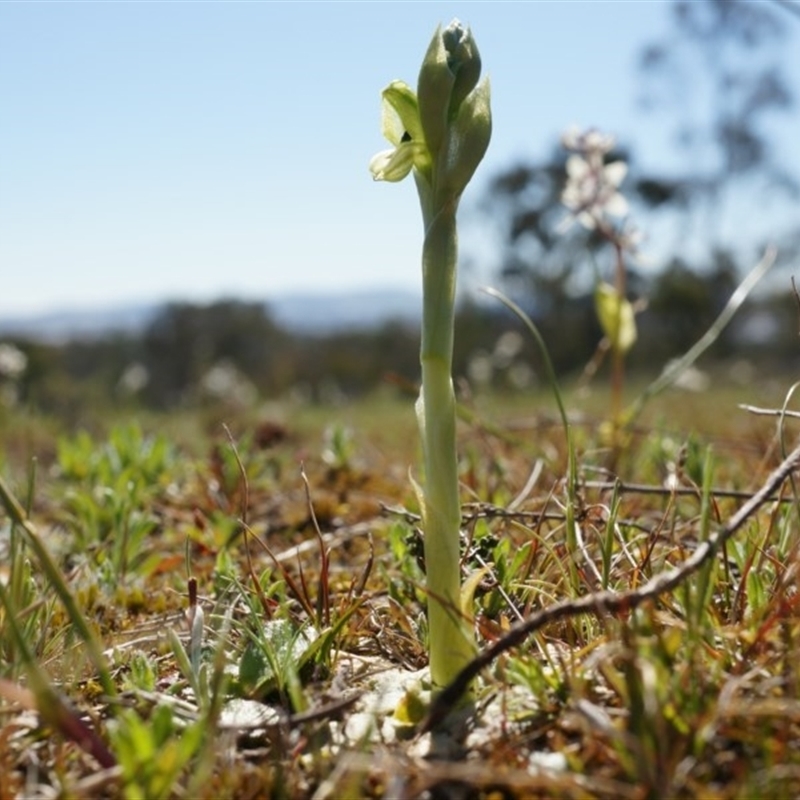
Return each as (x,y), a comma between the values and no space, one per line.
(468,591)
(253,667)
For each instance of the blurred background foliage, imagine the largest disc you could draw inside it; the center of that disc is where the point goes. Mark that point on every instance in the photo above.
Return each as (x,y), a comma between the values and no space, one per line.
(719,55)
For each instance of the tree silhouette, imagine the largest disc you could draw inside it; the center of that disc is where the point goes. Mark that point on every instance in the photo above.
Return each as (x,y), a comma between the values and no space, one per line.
(723,56)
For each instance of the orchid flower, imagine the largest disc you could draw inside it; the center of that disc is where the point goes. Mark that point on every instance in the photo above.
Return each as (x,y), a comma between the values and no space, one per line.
(402,127)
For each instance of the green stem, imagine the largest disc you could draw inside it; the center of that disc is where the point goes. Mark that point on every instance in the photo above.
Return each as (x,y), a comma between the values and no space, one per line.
(451,641)
(617,354)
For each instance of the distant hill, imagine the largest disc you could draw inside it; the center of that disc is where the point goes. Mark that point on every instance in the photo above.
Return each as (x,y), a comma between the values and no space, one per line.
(299,312)
(324,312)
(63,324)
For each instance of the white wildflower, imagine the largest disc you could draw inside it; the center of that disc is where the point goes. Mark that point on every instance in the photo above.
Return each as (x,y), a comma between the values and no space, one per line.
(592,189)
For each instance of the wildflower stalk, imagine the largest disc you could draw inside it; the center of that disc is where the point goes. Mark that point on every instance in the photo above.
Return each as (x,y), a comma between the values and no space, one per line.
(441,133)
(592,195)
(617,352)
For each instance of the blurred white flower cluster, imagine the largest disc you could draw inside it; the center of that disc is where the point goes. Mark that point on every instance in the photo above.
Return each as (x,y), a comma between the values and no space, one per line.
(504,361)
(225,382)
(592,189)
(13,363)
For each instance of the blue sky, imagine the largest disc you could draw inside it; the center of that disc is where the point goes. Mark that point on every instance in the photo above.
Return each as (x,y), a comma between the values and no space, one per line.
(194,150)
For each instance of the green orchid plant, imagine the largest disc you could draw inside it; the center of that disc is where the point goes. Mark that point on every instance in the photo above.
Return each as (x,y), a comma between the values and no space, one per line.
(440,134)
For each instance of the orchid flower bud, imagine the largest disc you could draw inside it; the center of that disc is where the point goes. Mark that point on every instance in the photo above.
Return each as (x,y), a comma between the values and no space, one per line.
(450,71)
(464,61)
